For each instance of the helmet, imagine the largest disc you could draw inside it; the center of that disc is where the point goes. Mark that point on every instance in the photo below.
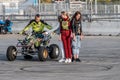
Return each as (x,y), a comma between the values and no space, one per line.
(37,15)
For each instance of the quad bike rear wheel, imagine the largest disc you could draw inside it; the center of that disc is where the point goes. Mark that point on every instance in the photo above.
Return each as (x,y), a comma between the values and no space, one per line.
(54,51)
(11,53)
(42,54)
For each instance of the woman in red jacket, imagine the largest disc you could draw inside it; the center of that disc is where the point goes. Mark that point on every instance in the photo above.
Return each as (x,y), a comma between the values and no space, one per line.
(65,35)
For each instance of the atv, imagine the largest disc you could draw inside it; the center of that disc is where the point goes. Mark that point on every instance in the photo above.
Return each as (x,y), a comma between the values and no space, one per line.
(27,47)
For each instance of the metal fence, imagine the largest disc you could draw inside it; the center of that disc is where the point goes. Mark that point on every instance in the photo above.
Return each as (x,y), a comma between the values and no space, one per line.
(52,10)
(107,9)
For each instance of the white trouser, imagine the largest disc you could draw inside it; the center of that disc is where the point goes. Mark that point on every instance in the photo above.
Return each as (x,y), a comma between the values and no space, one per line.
(61,49)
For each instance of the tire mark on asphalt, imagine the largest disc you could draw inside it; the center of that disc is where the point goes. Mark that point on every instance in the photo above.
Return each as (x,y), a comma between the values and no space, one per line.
(98,69)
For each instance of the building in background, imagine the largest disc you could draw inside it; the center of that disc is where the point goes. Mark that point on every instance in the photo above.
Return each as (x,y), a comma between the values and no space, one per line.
(10,6)
(1,9)
(52,1)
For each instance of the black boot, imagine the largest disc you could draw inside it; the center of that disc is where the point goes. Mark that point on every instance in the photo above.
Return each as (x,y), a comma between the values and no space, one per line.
(73,59)
(78,60)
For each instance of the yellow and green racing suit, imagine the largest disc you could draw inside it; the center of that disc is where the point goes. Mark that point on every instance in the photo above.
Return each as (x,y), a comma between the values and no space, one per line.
(37,27)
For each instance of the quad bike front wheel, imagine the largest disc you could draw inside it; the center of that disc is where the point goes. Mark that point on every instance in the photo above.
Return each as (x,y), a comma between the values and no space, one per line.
(11,53)
(42,54)
(54,51)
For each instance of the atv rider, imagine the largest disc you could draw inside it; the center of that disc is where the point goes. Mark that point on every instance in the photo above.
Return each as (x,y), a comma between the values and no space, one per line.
(38,26)
(8,25)
(1,25)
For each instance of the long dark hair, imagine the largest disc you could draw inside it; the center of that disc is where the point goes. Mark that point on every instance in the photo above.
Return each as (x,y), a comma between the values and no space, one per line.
(74,16)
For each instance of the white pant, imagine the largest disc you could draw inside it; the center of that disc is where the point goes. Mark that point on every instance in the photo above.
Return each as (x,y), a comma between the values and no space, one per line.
(61,49)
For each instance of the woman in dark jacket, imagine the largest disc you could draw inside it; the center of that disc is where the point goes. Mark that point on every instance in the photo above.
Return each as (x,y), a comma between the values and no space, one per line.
(77,35)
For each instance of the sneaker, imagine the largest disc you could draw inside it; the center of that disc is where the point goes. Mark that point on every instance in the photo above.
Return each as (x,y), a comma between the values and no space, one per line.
(66,61)
(62,60)
(78,60)
(69,60)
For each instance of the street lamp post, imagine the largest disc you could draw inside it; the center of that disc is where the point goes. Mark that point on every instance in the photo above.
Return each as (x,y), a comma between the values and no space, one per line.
(91,9)
(86,7)
(95,6)
(39,1)
(4,12)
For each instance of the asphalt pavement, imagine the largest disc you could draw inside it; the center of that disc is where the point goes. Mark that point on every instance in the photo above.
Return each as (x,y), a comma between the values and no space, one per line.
(100,57)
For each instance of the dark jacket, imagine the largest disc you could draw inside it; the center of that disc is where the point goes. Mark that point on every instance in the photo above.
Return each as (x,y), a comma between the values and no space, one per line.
(7,22)
(76,27)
